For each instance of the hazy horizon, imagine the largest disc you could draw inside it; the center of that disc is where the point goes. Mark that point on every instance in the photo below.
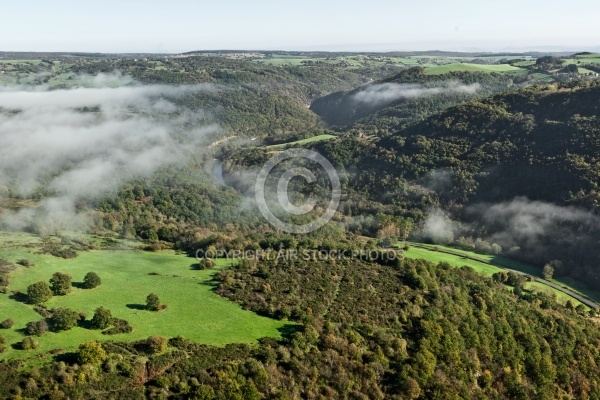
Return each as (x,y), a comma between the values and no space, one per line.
(382,25)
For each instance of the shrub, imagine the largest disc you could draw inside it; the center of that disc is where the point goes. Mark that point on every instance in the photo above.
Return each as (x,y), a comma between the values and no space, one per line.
(29,343)
(91,280)
(43,311)
(39,293)
(64,253)
(6,266)
(37,328)
(7,323)
(207,263)
(120,326)
(153,303)
(25,263)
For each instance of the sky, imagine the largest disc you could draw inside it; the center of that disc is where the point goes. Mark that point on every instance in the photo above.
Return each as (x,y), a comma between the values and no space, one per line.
(176,26)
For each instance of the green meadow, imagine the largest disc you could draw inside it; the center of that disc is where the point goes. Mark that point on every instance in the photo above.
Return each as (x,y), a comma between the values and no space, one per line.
(500,68)
(128,276)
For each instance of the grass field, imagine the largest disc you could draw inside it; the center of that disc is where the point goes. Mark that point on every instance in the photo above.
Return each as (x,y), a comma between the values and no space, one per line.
(489,270)
(20,61)
(584,59)
(524,63)
(586,71)
(193,311)
(313,139)
(444,69)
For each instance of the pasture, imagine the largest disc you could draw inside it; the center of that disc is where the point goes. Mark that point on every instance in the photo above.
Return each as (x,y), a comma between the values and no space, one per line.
(499,68)
(128,276)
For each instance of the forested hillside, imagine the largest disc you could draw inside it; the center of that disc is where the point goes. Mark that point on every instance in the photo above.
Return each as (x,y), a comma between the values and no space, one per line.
(404,98)
(525,154)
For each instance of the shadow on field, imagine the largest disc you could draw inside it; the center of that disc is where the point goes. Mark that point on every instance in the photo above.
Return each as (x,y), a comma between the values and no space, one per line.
(19,296)
(78,285)
(288,330)
(68,358)
(211,283)
(86,324)
(22,331)
(136,306)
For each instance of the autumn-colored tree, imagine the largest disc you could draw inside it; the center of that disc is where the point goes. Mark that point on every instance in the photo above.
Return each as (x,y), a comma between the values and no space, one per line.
(91,353)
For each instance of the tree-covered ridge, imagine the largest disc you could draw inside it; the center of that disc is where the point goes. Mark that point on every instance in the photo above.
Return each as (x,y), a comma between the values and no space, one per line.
(382,117)
(254,99)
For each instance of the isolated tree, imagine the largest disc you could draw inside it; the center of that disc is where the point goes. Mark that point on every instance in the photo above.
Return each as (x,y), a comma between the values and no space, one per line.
(37,328)
(64,319)
(39,292)
(91,280)
(91,353)
(24,262)
(102,318)
(548,272)
(60,284)
(7,323)
(29,343)
(153,302)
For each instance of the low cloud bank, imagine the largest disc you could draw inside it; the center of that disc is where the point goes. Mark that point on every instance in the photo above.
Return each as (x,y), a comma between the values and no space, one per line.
(385,93)
(75,144)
